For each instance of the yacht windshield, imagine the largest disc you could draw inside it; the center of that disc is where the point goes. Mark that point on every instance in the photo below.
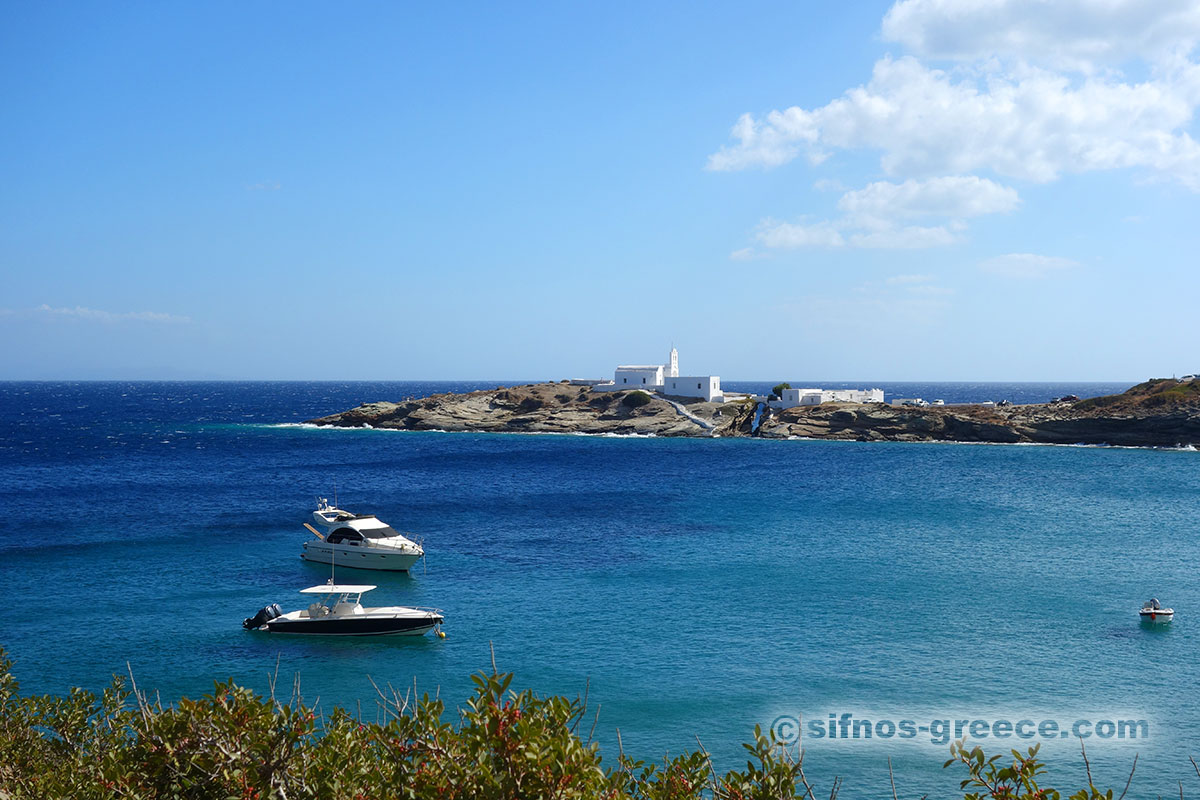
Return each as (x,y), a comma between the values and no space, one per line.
(344,535)
(386,532)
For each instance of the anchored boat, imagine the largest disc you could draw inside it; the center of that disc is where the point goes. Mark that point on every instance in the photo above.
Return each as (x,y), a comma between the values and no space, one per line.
(362,541)
(1153,611)
(338,611)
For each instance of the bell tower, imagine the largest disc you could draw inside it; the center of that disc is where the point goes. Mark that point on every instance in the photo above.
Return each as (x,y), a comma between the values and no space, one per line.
(673,364)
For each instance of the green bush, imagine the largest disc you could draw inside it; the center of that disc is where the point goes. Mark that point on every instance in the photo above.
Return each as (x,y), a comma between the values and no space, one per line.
(235,744)
(777,390)
(505,744)
(635,399)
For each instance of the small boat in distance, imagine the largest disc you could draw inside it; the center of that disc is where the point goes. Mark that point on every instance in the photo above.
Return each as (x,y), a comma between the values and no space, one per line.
(1153,611)
(361,541)
(339,612)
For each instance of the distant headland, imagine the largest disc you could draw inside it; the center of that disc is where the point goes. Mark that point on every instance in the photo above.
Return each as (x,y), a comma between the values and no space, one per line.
(1157,413)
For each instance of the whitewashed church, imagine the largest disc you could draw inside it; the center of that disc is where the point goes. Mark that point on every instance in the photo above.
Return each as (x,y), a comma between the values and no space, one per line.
(664,379)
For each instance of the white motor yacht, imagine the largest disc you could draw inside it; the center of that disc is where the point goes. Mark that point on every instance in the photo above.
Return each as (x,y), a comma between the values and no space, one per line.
(1153,611)
(362,541)
(338,611)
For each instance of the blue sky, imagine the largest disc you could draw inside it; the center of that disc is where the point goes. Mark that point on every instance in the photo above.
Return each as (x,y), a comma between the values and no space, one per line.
(924,190)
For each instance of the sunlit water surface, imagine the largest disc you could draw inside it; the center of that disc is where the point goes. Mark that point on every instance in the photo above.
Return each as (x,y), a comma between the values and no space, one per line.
(700,586)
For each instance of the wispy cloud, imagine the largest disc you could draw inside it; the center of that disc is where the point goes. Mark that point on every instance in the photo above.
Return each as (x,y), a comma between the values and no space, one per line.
(875,307)
(46,311)
(1026,265)
(1079,35)
(881,215)
(902,280)
(953,197)
(747,254)
(791,235)
(264,186)
(908,237)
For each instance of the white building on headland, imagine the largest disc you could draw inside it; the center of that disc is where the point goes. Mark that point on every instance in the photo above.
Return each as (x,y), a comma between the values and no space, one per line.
(814,397)
(705,386)
(665,379)
(634,376)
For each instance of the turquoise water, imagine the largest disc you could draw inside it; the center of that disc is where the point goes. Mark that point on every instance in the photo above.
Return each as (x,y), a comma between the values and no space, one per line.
(700,586)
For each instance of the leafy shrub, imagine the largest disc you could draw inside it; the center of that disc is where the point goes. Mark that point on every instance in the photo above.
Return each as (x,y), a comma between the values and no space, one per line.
(635,399)
(235,744)
(506,744)
(777,390)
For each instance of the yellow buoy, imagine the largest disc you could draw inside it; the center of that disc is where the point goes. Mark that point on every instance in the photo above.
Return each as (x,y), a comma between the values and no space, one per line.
(441,634)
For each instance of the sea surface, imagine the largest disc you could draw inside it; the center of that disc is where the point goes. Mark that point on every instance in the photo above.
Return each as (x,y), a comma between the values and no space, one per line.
(695,587)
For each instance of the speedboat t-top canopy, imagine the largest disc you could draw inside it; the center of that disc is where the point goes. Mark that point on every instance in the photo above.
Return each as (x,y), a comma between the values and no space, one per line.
(341,588)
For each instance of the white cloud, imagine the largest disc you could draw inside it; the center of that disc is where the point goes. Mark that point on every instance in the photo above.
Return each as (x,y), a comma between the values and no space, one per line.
(1071,34)
(956,197)
(828,185)
(792,236)
(747,254)
(1006,107)
(769,143)
(789,235)
(929,291)
(901,280)
(1026,265)
(878,215)
(873,307)
(1034,126)
(264,186)
(95,315)
(911,237)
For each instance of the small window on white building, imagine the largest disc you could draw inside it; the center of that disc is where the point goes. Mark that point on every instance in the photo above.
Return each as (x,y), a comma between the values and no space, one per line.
(643,380)
(697,386)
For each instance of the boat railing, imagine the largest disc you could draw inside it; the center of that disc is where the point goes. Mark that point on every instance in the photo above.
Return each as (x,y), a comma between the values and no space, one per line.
(438,611)
(371,543)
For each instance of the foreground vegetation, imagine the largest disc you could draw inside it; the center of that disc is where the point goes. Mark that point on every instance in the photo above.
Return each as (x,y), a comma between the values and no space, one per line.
(506,744)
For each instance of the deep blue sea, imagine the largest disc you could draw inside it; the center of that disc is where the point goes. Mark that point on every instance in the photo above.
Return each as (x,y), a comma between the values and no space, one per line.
(700,586)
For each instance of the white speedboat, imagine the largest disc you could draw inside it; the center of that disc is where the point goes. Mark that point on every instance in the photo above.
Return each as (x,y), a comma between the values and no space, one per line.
(1152,611)
(362,541)
(338,611)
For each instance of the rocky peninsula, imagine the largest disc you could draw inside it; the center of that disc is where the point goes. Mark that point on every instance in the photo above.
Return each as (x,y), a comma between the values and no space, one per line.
(1157,413)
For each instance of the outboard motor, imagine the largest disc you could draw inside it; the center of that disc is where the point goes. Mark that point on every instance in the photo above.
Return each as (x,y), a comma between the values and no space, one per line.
(264,615)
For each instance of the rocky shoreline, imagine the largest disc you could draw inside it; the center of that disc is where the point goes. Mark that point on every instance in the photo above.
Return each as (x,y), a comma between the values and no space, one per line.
(1158,413)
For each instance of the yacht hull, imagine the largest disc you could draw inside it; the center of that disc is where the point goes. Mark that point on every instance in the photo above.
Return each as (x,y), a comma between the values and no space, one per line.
(359,557)
(354,626)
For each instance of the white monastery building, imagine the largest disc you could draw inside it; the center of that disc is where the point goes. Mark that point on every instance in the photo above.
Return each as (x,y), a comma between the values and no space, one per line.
(638,377)
(665,379)
(706,386)
(814,397)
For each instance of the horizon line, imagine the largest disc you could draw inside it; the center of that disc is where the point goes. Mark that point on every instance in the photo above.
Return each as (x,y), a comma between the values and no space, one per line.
(523,381)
